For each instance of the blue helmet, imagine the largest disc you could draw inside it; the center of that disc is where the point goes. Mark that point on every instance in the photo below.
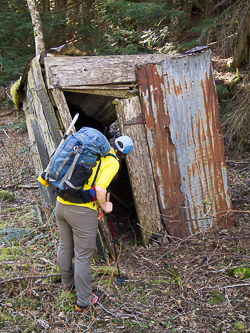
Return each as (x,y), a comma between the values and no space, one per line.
(124,144)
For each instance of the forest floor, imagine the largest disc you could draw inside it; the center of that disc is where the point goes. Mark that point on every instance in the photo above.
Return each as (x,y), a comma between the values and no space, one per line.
(197,284)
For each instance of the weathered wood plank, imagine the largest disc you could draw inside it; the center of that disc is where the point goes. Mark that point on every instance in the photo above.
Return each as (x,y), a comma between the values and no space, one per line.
(39,157)
(63,108)
(106,236)
(100,87)
(140,169)
(94,70)
(38,104)
(30,118)
(118,93)
(44,107)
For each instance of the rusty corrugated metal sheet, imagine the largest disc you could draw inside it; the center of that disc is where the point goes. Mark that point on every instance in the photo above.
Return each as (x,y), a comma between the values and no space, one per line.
(179,102)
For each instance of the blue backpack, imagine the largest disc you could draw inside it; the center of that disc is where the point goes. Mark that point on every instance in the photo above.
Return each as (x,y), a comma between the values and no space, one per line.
(71,165)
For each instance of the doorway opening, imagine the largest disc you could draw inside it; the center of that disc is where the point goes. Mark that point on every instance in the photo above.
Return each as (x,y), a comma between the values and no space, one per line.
(98,112)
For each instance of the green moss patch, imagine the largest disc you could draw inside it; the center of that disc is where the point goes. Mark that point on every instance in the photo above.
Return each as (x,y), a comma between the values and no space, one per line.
(216,297)
(6,195)
(239,272)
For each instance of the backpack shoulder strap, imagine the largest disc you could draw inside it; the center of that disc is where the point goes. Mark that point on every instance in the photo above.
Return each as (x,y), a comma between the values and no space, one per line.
(98,168)
(97,171)
(109,154)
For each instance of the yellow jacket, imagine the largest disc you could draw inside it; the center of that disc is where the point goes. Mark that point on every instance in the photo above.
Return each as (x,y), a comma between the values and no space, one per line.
(108,169)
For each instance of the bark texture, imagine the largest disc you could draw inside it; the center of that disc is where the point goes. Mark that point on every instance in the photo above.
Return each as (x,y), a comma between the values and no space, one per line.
(242,45)
(37,26)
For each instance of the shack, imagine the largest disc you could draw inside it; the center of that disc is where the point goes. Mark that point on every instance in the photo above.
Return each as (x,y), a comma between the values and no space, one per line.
(167,105)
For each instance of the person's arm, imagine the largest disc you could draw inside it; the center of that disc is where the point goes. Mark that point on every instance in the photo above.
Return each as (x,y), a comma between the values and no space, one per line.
(101,193)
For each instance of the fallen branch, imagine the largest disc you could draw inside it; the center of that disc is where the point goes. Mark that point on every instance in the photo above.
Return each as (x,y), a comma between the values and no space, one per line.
(104,270)
(29,278)
(232,286)
(7,113)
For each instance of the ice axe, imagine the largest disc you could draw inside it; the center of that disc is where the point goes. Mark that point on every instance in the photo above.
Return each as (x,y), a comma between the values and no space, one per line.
(119,280)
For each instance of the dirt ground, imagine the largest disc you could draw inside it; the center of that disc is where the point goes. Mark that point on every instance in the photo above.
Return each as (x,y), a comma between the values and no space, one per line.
(197,284)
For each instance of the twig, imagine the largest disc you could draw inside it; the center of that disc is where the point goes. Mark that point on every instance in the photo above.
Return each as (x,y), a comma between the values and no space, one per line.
(6,133)
(232,286)
(90,326)
(228,299)
(221,270)
(188,280)
(238,162)
(109,312)
(131,227)
(150,261)
(7,113)
(237,285)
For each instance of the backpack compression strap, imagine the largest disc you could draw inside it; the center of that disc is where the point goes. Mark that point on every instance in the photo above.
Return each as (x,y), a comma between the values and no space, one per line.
(71,168)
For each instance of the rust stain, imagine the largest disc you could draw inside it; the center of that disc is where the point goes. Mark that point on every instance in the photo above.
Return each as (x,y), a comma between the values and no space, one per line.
(186,145)
(177,88)
(167,83)
(217,160)
(162,150)
(185,84)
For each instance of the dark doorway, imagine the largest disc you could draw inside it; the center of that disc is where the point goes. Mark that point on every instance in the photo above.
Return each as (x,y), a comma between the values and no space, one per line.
(98,112)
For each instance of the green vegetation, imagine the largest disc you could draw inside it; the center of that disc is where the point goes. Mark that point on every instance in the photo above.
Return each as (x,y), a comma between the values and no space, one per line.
(17,41)
(66,301)
(4,318)
(14,91)
(9,253)
(5,195)
(239,272)
(216,297)
(17,126)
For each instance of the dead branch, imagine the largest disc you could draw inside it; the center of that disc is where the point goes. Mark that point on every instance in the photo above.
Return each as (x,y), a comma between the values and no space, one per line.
(230,286)
(218,5)
(30,277)
(7,113)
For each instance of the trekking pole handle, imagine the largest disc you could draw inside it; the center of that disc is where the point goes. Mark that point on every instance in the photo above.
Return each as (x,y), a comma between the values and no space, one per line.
(66,133)
(108,195)
(71,126)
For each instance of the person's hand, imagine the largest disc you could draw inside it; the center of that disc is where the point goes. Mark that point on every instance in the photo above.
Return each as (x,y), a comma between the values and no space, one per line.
(108,207)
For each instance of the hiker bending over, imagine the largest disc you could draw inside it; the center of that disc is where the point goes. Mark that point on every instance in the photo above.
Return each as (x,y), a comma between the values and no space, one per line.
(78,223)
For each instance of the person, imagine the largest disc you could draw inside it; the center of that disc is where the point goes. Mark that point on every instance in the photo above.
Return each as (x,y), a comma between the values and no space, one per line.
(78,223)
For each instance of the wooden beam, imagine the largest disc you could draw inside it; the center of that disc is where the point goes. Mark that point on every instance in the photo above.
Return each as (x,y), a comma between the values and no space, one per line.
(39,148)
(94,70)
(117,93)
(140,169)
(106,236)
(62,108)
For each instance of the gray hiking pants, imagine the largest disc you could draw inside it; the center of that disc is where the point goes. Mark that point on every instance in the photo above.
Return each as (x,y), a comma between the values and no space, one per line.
(77,231)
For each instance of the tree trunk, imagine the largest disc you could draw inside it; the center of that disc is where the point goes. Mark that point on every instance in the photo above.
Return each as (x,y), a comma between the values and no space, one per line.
(44,6)
(37,26)
(188,12)
(242,44)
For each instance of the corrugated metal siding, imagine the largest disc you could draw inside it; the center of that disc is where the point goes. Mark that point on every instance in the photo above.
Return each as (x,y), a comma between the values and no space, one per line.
(185,138)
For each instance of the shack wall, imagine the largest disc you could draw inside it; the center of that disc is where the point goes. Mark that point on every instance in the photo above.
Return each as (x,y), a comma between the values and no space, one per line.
(180,105)
(42,124)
